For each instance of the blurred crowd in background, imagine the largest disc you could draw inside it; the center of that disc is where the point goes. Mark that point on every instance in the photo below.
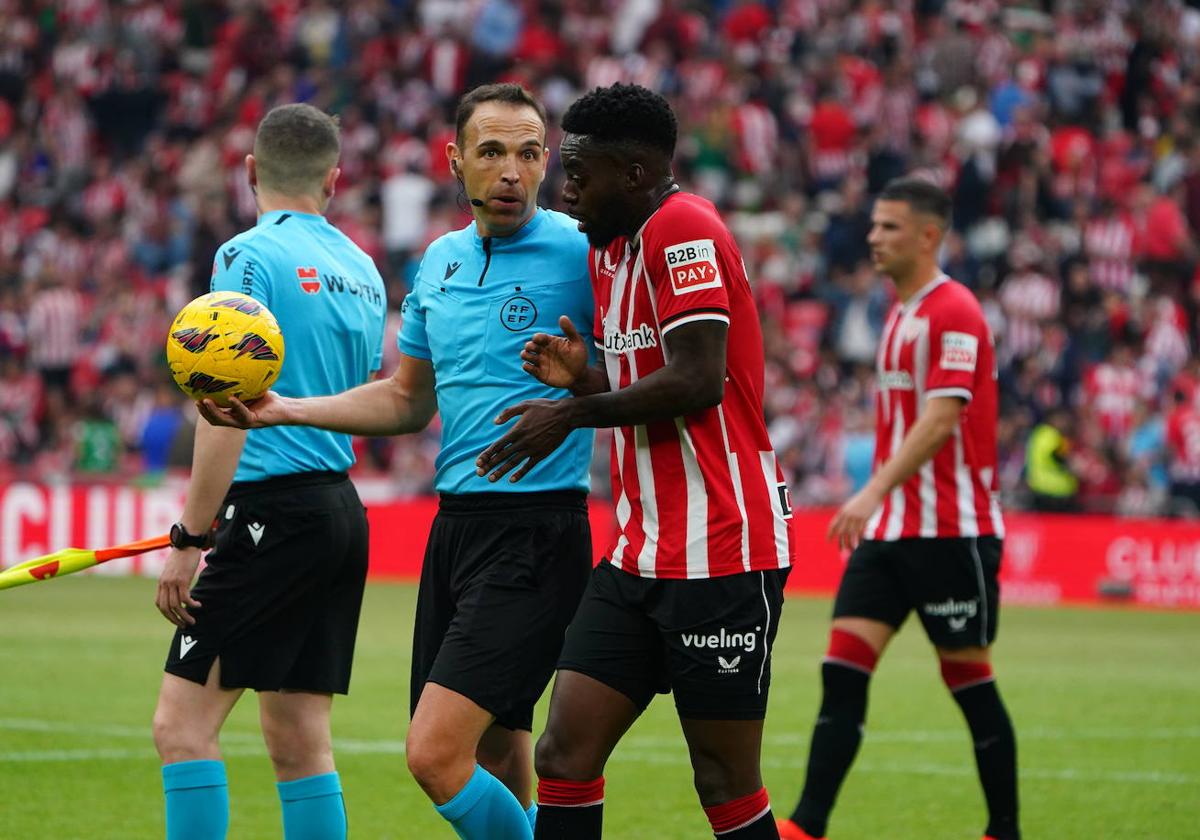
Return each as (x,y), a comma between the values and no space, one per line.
(1067,131)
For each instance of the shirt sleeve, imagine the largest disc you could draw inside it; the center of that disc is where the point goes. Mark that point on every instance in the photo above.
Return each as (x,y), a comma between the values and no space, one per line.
(238,267)
(380,326)
(689,266)
(957,338)
(412,339)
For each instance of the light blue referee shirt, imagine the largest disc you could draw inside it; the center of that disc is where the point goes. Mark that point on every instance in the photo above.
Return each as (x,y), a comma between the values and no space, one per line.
(331,304)
(475,302)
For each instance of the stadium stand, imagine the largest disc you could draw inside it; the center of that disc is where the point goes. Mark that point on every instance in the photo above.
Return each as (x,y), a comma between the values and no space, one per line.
(1066,131)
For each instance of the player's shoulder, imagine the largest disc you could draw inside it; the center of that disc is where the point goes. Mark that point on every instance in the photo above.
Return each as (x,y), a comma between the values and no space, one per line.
(953,299)
(452,242)
(684,211)
(563,230)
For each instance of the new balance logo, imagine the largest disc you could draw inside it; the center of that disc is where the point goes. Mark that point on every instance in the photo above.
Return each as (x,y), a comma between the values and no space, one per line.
(186,643)
(256,530)
(450,269)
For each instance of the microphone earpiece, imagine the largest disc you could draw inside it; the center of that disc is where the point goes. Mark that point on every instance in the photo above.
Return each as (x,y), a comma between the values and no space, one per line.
(457,174)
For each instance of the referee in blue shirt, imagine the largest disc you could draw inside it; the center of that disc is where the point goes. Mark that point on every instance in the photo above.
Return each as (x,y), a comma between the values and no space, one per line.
(506,564)
(276,607)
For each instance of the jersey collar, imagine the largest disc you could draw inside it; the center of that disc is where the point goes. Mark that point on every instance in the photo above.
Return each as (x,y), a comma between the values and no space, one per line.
(274,216)
(924,291)
(525,230)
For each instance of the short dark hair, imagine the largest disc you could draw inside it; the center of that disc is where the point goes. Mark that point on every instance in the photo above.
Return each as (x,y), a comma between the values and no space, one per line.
(507,92)
(294,149)
(621,114)
(921,195)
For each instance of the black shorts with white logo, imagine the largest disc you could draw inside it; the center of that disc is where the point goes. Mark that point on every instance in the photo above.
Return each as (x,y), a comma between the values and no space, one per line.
(282,588)
(502,575)
(707,640)
(952,583)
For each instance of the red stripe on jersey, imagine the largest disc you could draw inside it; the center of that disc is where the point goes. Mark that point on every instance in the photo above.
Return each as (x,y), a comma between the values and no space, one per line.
(697,496)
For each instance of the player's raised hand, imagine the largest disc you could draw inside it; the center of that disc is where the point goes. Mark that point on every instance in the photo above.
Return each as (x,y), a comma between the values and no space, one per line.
(556,360)
(268,410)
(847,526)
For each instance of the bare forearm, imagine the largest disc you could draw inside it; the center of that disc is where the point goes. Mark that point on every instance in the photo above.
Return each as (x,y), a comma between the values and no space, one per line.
(928,435)
(375,409)
(667,393)
(215,456)
(593,381)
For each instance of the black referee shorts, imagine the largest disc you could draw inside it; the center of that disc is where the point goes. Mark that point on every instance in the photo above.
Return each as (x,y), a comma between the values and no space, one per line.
(281,592)
(951,582)
(502,575)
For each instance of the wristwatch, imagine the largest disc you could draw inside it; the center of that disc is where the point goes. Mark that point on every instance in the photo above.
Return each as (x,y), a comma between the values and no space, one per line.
(180,538)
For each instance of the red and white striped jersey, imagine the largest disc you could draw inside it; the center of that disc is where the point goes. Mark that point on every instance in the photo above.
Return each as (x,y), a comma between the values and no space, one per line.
(938,344)
(1183,445)
(700,495)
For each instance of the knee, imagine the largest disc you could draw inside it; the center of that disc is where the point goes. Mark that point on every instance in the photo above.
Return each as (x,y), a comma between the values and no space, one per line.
(556,758)
(434,763)
(717,782)
(178,740)
(502,761)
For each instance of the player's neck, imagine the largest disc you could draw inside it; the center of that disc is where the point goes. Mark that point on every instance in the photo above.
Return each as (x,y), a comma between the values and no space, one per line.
(920,277)
(271,202)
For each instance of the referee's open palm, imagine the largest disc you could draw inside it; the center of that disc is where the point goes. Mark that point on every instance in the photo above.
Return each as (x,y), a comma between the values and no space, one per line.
(557,361)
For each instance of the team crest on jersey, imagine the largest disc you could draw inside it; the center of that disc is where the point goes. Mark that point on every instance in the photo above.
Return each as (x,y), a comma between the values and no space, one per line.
(960,351)
(914,328)
(256,347)
(194,340)
(307,275)
(693,266)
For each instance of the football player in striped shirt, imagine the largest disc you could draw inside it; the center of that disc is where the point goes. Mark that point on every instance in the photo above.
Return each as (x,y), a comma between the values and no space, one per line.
(926,530)
(687,600)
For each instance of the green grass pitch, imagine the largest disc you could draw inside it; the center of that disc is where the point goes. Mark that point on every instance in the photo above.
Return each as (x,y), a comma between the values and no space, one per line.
(1105,704)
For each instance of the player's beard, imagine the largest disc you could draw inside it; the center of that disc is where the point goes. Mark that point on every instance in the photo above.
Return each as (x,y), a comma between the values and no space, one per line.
(600,233)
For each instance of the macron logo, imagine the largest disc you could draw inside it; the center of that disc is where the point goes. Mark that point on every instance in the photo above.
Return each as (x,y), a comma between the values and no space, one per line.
(186,643)
(256,530)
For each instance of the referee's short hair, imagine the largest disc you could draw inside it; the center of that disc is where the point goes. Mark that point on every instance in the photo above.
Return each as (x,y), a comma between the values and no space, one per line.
(921,195)
(506,92)
(294,149)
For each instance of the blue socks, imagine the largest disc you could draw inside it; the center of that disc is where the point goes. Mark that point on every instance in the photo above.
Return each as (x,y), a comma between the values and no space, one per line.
(486,810)
(313,808)
(531,815)
(197,797)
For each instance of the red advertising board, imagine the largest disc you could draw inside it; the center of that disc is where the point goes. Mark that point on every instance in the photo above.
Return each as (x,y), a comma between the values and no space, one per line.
(1047,559)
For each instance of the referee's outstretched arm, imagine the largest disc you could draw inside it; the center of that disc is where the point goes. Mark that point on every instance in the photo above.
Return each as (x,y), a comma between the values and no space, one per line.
(404,402)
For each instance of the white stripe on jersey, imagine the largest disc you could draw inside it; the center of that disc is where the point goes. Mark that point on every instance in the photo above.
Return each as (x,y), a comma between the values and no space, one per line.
(645,473)
(696,549)
(985,475)
(770,471)
(927,495)
(688,319)
(968,522)
(623,508)
(895,523)
(735,475)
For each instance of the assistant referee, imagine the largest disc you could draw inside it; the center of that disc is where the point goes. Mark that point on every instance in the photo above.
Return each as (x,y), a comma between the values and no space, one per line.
(276,607)
(506,564)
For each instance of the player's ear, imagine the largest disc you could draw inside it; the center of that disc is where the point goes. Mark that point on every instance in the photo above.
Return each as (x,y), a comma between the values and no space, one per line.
(329,187)
(452,157)
(635,174)
(251,172)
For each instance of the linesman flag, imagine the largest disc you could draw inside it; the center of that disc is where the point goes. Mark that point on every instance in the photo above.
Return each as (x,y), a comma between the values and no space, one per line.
(71,560)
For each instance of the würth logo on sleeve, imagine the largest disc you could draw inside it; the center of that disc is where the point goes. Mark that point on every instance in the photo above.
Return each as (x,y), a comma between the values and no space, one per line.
(960,351)
(693,266)
(307,275)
